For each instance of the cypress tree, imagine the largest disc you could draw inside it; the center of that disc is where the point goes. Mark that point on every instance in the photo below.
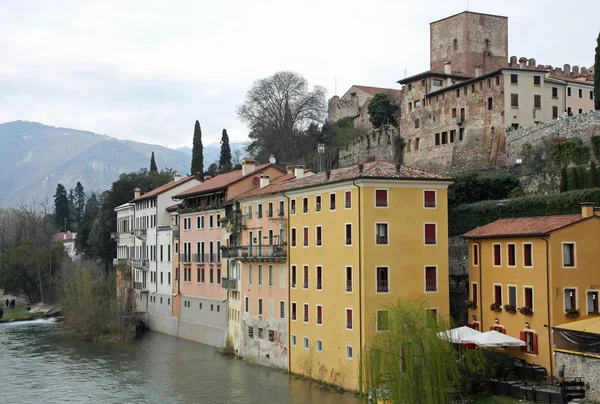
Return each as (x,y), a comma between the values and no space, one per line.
(62,214)
(593,175)
(574,178)
(225,158)
(563,179)
(197,151)
(153,167)
(79,203)
(597,75)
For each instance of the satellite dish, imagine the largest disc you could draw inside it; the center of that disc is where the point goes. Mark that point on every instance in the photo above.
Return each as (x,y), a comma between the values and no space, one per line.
(272,159)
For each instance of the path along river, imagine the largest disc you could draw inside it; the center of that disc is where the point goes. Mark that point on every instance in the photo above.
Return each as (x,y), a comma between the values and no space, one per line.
(40,362)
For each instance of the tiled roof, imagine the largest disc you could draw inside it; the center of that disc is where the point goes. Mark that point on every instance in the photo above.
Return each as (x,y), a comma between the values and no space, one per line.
(172,208)
(523,226)
(221,181)
(163,188)
(65,236)
(372,170)
(377,90)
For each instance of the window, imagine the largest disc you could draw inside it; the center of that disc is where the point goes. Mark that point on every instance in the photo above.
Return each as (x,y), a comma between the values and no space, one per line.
(305,237)
(455,44)
(271,275)
(580,111)
(580,93)
(319,240)
(461,133)
(512,258)
(498,295)
(293,237)
(348,234)
(247,304)
(592,302)
(319,277)
(444,137)
(474,294)
(537,101)
(260,307)
(514,79)
(319,314)
(319,346)
(293,340)
(527,256)
(417,104)
(429,199)
(348,199)
(431,282)
(281,309)
(250,331)
(475,254)
(458,93)
(306,343)
(306,312)
(437,82)
(591,94)
(281,208)
(260,333)
(417,123)
(259,210)
(430,234)
(304,205)
(318,203)
(271,306)
(250,274)
(349,352)
(554,92)
(271,336)
(569,91)
(381,198)
(568,254)
(514,100)
(437,139)
(528,295)
(382,320)
(570,299)
(348,319)
(381,233)
(348,279)
(293,315)
(383,280)
(497,255)
(305,277)
(531,342)
(512,296)
(453,112)
(331,201)
(490,103)
(270,210)
(260,274)
(537,80)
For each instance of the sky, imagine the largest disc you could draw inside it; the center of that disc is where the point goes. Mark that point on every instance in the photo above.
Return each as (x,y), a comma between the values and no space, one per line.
(147,70)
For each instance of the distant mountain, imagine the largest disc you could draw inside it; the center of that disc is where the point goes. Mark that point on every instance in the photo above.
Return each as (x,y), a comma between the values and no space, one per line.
(35,157)
(212,151)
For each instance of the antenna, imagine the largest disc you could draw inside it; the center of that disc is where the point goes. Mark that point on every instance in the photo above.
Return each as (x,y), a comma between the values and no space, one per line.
(335,86)
(405,72)
(467,5)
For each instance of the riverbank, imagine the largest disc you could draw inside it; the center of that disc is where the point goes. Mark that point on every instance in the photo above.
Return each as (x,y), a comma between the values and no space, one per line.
(19,314)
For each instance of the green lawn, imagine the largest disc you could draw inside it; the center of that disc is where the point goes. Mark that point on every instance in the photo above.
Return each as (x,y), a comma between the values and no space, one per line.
(18,314)
(495,400)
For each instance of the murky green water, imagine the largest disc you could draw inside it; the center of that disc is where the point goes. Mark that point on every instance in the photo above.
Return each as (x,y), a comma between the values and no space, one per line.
(42,363)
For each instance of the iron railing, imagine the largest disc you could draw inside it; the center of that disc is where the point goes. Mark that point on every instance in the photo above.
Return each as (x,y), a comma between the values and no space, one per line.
(348,285)
(140,262)
(383,286)
(256,252)
(140,232)
(229,283)
(381,202)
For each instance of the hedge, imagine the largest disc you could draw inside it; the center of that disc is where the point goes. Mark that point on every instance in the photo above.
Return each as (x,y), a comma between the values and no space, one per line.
(475,187)
(467,217)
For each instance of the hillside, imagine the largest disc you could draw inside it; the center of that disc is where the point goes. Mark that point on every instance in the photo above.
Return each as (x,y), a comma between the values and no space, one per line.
(213,150)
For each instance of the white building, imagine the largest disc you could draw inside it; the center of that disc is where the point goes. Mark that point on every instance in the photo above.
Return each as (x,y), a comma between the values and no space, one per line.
(68,241)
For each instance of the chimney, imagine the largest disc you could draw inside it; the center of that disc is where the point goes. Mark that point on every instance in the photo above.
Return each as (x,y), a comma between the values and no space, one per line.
(531,63)
(136,192)
(264,180)
(327,174)
(248,165)
(398,166)
(477,70)
(289,169)
(522,61)
(176,176)
(299,171)
(360,168)
(587,209)
(207,177)
(448,68)
(567,69)
(513,61)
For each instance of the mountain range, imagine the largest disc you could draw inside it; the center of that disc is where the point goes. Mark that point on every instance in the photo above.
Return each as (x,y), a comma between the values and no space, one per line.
(34,158)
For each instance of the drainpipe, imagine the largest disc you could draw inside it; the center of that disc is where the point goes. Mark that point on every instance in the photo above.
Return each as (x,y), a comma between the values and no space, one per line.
(548,307)
(360,297)
(156,243)
(289,285)
(479,292)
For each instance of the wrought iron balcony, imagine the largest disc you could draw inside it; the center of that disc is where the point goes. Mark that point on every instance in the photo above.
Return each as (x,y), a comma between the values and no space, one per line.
(383,286)
(348,285)
(140,262)
(276,252)
(141,233)
(230,283)
(175,232)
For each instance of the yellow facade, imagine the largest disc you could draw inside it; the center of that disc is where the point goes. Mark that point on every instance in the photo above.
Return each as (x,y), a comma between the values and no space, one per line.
(548,279)
(401,255)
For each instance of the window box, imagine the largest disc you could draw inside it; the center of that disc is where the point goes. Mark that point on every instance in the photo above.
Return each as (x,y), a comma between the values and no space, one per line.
(594,313)
(572,313)
(510,309)
(495,307)
(526,311)
(472,304)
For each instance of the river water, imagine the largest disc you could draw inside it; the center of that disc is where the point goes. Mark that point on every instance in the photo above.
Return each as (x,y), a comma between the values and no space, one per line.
(40,362)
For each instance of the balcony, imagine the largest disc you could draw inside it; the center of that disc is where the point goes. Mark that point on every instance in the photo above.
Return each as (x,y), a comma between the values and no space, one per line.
(141,233)
(230,284)
(256,252)
(430,240)
(430,203)
(348,204)
(120,261)
(381,202)
(175,232)
(114,235)
(382,240)
(185,258)
(348,285)
(140,262)
(383,286)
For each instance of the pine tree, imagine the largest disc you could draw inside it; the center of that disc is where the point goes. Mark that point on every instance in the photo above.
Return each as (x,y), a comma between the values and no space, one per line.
(563,179)
(225,159)
(153,167)
(62,214)
(92,208)
(574,178)
(79,202)
(597,75)
(197,151)
(593,175)
(71,198)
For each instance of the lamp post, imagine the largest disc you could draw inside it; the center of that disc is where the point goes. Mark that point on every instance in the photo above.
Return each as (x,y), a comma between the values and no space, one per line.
(321,151)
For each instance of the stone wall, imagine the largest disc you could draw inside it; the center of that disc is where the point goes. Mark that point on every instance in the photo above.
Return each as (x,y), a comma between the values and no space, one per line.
(582,366)
(258,348)
(377,145)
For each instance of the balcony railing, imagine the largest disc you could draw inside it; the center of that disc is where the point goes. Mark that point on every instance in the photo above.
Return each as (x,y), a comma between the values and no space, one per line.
(256,252)
(319,242)
(185,258)
(348,241)
(140,262)
(382,240)
(332,206)
(269,213)
(348,285)
(305,283)
(430,240)
(229,283)
(114,235)
(349,325)
(381,202)
(138,285)
(430,285)
(141,233)
(293,281)
(293,315)
(318,207)
(319,320)
(348,204)
(120,261)
(176,232)
(383,286)
(430,203)
(319,284)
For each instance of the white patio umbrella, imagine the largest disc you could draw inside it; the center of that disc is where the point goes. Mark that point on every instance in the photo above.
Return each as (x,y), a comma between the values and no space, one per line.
(456,334)
(492,339)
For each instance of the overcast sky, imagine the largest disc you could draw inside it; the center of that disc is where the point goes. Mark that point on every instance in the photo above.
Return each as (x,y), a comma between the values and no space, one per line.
(146,70)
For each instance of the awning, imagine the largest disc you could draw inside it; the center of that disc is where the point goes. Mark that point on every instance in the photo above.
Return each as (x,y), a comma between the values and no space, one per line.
(589,325)
(492,339)
(456,334)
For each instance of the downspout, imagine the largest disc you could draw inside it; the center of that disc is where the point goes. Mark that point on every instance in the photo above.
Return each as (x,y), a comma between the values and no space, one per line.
(289,286)
(548,307)
(479,291)
(360,296)
(156,244)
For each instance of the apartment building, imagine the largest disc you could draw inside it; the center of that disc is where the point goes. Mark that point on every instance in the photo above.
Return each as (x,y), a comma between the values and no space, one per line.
(530,274)
(203,300)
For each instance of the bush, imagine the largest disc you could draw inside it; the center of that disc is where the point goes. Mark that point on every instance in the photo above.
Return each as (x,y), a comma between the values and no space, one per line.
(477,187)
(467,217)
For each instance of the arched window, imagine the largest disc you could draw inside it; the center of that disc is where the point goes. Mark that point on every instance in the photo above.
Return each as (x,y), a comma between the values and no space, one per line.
(455,44)
(486,44)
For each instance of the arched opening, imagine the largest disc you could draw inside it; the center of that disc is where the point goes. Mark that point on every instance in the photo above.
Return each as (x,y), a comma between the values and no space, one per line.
(455,44)
(486,44)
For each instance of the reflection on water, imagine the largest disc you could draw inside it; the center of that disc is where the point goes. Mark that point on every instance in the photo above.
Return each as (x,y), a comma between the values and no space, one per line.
(42,363)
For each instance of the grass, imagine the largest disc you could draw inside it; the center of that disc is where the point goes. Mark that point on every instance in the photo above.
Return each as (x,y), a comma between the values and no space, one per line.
(18,314)
(495,400)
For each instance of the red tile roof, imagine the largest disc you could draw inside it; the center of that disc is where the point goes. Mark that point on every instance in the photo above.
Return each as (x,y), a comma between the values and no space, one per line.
(372,170)
(64,236)
(222,181)
(163,188)
(377,90)
(524,226)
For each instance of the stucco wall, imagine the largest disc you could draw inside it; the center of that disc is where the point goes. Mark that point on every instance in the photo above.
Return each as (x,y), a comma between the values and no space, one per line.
(261,350)
(581,366)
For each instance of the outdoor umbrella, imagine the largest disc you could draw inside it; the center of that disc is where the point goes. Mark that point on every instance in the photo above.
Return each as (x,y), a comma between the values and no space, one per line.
(492,339)
(456,334)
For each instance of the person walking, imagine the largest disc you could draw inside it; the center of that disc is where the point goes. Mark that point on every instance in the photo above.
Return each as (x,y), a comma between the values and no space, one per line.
(1,313)
(7,302)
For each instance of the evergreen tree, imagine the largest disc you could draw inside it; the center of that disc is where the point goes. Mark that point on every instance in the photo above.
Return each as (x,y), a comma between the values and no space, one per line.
(79,202)
(197,151)
(153,167)
(597,75)
(212,170)
(92,207)
(593,175)
(563,179)
(574,179)
(71,198)
(225,159)
(62,213)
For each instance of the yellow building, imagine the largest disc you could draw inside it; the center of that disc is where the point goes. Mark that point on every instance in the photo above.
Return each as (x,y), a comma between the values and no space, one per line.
(361,238)
(529,274)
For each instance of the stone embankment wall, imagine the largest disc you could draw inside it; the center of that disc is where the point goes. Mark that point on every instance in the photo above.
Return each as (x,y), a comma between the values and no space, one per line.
(581,366)
(377,145)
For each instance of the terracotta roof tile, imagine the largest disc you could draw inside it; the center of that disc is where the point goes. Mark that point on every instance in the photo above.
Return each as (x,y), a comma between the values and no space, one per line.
(377,90)
(163,188)
(523,226)
(373,170)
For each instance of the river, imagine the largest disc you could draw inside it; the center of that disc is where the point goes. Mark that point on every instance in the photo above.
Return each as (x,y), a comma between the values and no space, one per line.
(40,362)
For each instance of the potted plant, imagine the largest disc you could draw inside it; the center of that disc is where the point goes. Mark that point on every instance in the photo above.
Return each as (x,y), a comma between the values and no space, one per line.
(472,304)
(527,311)
(495,307)
(510,308)
(594,313)
(572,313)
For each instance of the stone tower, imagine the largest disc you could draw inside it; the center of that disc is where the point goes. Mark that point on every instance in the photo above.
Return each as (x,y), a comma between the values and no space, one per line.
(467,40)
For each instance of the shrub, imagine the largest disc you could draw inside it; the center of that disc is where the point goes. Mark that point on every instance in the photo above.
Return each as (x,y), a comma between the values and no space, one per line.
(476,187)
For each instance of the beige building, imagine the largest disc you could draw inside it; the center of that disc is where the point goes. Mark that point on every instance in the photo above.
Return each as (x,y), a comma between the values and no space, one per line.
(354,104)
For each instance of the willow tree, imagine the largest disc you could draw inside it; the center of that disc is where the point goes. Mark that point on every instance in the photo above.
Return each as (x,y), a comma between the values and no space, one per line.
(407,362)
